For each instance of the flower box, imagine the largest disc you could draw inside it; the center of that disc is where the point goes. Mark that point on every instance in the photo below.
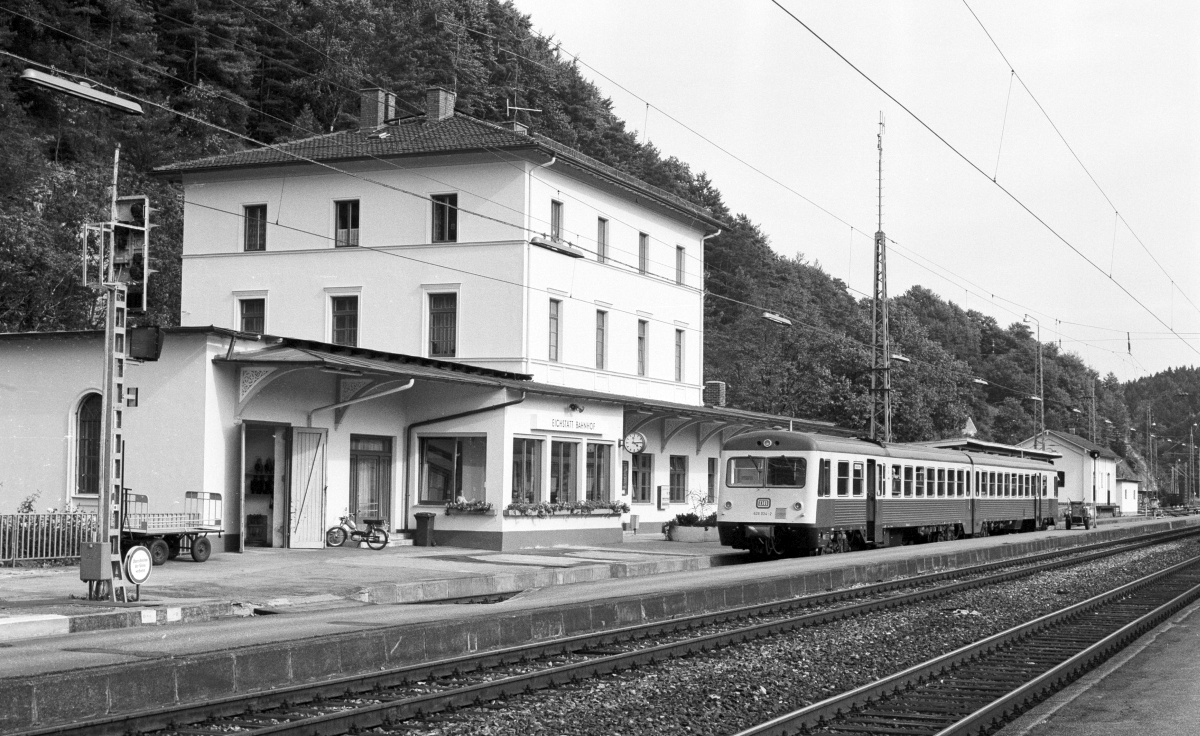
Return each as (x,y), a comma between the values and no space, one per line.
(470,512)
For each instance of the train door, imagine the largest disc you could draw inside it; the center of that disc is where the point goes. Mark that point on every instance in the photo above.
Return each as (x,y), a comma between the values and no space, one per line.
(872,485)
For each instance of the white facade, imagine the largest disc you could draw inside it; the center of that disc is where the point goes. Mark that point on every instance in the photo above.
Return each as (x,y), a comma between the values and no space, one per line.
(503,285)
(1089,472)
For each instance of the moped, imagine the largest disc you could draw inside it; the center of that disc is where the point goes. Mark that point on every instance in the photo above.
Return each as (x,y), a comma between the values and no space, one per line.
(374,535)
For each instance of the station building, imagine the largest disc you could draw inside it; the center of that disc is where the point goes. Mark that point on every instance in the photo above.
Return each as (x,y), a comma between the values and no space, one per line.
(1087,472)
(382,321)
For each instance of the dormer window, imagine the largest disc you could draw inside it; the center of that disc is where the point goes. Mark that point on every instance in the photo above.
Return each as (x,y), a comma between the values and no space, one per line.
(346,225)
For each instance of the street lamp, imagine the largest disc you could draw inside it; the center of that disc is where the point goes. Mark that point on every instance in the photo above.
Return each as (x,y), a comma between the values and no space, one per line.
(1041,397)
(778,319)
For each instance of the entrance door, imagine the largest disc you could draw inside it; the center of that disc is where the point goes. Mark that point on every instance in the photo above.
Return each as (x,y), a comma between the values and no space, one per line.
(306,498)
(872,486)
(370,477)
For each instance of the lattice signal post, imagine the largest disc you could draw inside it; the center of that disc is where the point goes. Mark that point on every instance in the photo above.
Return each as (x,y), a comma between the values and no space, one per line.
(121,272)
(881,356)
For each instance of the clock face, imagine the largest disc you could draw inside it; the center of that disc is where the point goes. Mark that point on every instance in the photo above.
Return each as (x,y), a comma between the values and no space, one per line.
(635,442)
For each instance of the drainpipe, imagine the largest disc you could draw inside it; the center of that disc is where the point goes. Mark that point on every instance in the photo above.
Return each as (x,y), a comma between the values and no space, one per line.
(377,395)
(422,423)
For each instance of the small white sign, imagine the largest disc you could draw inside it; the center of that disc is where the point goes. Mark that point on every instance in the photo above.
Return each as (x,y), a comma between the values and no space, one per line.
(149,617)
(138,564)
(174,614)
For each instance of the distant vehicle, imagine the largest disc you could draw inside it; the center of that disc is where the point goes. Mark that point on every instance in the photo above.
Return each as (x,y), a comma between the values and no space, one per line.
(1078,513)
(785,493)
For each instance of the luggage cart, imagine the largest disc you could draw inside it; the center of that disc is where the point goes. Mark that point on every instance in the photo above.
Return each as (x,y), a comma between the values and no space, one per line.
(168,535)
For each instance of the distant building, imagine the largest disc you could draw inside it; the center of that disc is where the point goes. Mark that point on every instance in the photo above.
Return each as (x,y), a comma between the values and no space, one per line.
(1128,487)
(1087,472)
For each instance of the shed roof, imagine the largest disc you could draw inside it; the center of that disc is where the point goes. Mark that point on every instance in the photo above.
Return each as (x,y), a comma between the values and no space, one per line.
(1079,443)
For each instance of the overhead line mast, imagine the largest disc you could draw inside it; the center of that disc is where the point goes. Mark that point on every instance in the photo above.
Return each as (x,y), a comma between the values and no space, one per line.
(881,362)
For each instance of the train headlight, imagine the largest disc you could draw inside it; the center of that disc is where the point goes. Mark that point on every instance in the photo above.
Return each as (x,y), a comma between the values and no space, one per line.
(728,505)
(798,506)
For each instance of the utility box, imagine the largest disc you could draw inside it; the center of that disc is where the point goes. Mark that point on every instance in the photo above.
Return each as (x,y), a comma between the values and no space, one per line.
(424,534)
(92,562)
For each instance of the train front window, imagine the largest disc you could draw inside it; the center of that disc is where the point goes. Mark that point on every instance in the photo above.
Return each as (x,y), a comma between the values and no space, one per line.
(773,472)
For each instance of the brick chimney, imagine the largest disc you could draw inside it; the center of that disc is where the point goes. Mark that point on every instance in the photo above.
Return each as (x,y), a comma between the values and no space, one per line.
(714,393)
(375,106)
(439,104)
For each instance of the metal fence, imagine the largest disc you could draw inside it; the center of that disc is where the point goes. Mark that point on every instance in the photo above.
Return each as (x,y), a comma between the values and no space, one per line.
(29,537)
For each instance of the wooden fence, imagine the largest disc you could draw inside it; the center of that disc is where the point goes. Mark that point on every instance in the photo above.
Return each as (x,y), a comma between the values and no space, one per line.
(41,537)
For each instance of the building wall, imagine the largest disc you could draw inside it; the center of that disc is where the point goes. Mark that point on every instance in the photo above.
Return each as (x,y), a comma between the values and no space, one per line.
(166,436)
(1079,467)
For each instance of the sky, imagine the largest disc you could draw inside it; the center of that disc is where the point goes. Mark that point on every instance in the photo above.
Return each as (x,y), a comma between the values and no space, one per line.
(1119,80)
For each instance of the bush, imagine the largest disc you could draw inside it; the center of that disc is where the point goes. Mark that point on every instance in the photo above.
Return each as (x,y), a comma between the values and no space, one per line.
(693,519)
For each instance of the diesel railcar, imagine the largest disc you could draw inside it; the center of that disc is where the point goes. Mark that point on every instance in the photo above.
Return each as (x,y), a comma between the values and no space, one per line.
(785,492)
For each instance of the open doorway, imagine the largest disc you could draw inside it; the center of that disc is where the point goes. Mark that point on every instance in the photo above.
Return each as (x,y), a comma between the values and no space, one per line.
(264,483)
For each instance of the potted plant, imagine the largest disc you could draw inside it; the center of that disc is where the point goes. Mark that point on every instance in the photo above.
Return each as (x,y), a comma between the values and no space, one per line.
(462,506)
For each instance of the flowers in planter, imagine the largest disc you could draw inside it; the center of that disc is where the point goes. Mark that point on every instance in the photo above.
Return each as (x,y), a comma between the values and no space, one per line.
(544,509)
(463,506)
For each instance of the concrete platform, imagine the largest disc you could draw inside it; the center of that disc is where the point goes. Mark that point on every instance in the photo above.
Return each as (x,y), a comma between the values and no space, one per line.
(55,679)
(1153,687)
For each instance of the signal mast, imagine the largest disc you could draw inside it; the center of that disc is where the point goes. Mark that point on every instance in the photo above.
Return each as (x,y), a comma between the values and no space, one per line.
(881,358)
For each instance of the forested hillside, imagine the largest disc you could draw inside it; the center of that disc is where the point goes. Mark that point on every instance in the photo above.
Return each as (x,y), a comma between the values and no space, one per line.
(218,75)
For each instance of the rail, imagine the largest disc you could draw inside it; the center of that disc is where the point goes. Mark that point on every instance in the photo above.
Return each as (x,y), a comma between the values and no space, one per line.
(44,537)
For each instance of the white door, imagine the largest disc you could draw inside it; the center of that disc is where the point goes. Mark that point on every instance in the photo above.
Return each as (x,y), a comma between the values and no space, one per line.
(306,503)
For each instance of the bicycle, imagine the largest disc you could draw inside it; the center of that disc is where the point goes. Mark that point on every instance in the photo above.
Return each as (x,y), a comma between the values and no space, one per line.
(374,535)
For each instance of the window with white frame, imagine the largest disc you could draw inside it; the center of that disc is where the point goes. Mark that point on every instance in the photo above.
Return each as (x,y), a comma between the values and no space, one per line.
(344,322)
(527,470)
(87,444)
(643,253)
(346,223)
(712,480)
(598,483)
(564,470)
(556,224)
(445,218)
(452,467)
(643,339)
(255,223)
(443,325)
(678,478)
(555,329)
(601,240)
(642,477)
(252,315)
(680,256)
(601,339)
(679,355)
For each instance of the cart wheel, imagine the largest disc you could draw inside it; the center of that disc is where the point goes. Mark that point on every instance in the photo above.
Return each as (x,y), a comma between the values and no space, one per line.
(335,537)
(160,551)
(201,549)
(378,539)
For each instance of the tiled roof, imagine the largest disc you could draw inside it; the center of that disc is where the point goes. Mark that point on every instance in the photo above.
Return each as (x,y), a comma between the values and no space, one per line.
(1081,443)
(416,136)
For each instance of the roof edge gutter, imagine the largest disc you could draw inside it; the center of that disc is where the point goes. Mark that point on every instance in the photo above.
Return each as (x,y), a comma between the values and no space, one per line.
(408,441)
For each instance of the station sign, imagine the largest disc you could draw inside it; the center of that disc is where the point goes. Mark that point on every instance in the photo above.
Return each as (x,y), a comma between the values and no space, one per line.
(575,424)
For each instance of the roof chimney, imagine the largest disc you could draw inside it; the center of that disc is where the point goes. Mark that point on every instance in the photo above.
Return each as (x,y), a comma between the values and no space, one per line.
(439,103)
(375,107)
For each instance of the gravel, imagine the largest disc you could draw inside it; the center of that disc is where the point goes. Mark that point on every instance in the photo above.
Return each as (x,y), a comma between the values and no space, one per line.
(727,690)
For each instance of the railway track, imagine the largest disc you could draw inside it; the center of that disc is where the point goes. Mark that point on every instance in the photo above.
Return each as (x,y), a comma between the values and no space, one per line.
(981,686)
(387,699)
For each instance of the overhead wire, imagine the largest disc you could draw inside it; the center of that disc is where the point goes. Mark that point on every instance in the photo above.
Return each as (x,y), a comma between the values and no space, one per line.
(1007,192)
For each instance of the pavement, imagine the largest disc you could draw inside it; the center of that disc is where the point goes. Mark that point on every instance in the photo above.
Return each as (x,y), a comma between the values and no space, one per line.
(316,614)
(1151,687)
(42,601)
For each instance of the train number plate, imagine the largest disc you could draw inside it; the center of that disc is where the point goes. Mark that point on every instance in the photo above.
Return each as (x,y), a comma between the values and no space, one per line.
(763,503)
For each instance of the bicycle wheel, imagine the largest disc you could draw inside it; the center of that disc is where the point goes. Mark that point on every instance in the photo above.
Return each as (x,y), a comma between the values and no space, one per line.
(378,538)
(335,537)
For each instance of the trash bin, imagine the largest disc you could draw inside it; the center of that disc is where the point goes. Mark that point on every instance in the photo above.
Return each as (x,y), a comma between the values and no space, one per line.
(424,535)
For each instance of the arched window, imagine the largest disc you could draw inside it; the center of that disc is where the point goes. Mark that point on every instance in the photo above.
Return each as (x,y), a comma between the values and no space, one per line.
(87,433)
